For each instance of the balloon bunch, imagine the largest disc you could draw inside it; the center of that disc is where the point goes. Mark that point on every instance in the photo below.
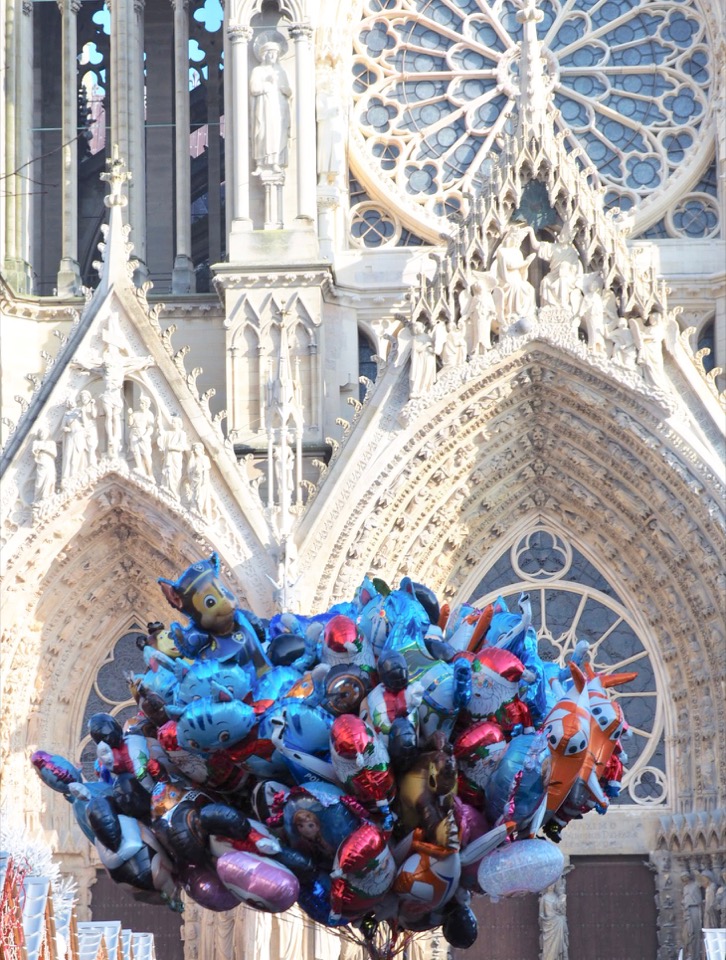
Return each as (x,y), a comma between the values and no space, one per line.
(378,763)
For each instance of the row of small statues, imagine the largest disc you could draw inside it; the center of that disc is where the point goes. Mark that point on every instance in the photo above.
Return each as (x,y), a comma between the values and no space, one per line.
(704,907)
(185,467)
(503,296)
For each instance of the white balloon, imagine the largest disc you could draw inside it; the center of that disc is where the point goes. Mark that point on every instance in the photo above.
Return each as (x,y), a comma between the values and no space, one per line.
(525,866)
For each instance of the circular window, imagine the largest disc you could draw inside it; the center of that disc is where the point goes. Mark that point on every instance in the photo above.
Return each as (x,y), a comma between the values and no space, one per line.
(630,81)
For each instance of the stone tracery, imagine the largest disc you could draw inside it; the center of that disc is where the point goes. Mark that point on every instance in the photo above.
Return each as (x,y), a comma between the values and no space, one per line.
(434,89)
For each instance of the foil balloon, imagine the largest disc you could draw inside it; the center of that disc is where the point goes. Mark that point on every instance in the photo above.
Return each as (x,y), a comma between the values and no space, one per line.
(204,886)
(460,927)
(426,792)
(316,821)
(447,689)
(567,731)
(427,879)
(344,643)
(478,750)
(258,881)
(361,763)
(363,871)
(527,866)
(495,677)
(517,788)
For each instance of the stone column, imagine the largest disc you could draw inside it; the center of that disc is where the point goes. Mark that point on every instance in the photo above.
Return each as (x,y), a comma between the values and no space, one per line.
(69,276)
(137,136)
(127,112)
(237,134)
(18,142)
(305,123)
(183,279)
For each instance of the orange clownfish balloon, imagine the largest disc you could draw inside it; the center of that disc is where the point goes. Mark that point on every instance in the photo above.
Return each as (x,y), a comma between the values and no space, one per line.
(567,729)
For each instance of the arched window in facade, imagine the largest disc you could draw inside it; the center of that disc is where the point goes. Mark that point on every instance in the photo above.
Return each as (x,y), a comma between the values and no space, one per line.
(110,691)
(573,600)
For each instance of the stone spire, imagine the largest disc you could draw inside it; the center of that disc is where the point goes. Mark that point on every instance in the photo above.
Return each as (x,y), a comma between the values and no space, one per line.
(115,265)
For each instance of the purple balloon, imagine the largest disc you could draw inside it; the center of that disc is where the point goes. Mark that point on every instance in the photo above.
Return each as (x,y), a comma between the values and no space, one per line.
(205,888)
(258,881)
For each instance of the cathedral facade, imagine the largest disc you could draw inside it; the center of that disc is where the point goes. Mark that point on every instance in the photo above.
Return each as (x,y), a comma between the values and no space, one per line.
(433,288)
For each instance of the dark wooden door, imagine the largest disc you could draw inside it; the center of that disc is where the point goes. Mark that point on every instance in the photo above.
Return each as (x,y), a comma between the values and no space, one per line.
(611,909)
(508,930)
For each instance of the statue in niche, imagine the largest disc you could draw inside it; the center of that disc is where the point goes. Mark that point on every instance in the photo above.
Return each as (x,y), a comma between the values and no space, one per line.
(422,374)
(477,312)
(692,918)
(561,287)
(453,348)
(75,460)
(598,310)
(141,428)
(89,413)
(44,453)
(114,367)
(284,475)
(173,445)
(198,470)
(514,295)
(271,93)
(329,115)
(553,922)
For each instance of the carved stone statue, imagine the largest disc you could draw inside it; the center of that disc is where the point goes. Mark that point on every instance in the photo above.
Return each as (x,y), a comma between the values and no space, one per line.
(453,349)
(89,413)
(422,374)
(707,882)
(514,295)
(477,312)
(561,286)
(329,115)
(44,454)
(173,444)
(198,469)
(553,922)
(622,348)
(75,460)
(141,429)
(649,339)
(271,93)
(692,918)
(598,310)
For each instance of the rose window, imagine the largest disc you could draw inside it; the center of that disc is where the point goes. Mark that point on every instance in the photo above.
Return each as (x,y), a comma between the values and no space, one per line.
(435,84)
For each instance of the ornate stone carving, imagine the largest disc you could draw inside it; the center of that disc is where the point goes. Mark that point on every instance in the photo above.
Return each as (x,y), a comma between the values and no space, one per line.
(141,424)
(45,452)
(173,444)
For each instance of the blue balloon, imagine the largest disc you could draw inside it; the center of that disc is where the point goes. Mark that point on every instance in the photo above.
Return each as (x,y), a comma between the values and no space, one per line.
(528,755)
